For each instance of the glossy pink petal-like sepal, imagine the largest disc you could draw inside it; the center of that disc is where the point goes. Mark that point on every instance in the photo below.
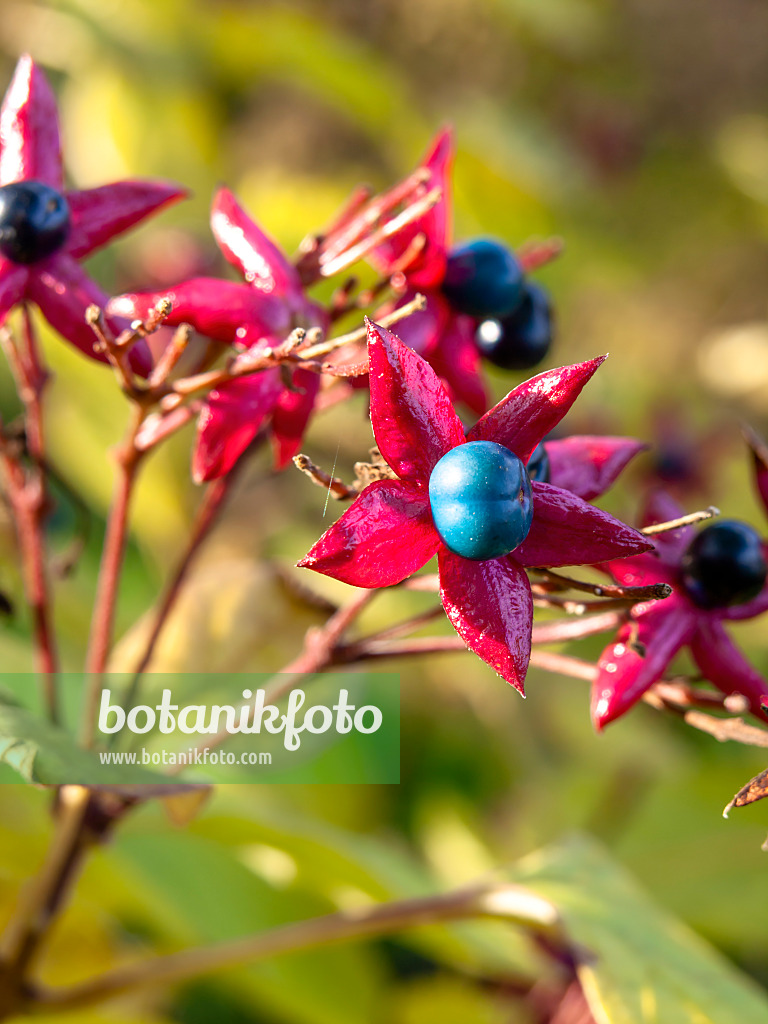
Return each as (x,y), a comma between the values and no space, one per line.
(588,466)
(535,407)
(230,420)
(381,539)
(639,657)
(456,361)
(413,420)
(100,214)
(30,145)
(252,251)
(291,415)
(568,531)
(722,663)
(490,606)
(226,311)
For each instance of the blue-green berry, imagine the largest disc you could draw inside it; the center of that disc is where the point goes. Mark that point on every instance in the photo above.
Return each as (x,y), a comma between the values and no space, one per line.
(481,500)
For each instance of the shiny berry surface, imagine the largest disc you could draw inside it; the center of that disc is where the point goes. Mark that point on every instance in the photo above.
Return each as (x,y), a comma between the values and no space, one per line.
(34,221)
(522,339)
(481,500)
(538,464)
(724,565)
(483,278)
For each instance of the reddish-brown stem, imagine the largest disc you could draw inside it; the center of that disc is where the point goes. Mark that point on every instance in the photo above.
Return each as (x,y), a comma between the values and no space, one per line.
(29,503)
(563,664)
(382,645)
(105,603)
(27,499)
(556,581)
(205,519)
(32,392)
(573,629)
(364,650)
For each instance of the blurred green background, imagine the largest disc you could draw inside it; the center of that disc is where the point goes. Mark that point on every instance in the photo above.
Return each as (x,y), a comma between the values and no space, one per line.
(638,131)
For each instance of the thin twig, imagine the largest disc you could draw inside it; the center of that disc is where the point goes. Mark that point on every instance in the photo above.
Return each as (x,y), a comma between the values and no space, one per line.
(330,267)
(493,899)
(105,602)
(688,520)
(332,484)
(416,305)
(653,592)
(27,493)
(206,518)
(38,905)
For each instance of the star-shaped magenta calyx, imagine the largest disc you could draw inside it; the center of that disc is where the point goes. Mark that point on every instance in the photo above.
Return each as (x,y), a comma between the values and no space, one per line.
(657,630)
(420,251)
(251,315)
(388,532)
(30,152)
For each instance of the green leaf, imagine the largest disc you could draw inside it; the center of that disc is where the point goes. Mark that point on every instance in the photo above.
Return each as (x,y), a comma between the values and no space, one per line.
(640,965)
(44,754)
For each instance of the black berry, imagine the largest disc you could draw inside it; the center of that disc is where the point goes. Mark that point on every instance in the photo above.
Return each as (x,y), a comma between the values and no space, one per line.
(725,565)
(538,464)
(522,339)
(34,221)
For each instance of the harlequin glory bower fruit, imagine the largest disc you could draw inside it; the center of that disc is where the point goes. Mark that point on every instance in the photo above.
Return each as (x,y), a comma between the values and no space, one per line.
(656,631)
(725,565)
(389,531)
(45,229)
(481,501)
(521,340)
(34,221)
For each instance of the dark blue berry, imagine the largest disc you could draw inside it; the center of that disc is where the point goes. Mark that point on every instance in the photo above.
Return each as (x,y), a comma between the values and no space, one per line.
(483,278)
(538,464)
(522,339)
(724,565)
(34,221)
(481,500)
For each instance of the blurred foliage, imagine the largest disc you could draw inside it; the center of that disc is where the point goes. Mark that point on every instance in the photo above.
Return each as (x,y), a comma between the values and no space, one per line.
(637,130)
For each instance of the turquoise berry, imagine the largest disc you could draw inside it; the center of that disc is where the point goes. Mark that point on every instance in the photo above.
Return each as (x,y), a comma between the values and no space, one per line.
(34,221)
(483,278)
(481,500)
